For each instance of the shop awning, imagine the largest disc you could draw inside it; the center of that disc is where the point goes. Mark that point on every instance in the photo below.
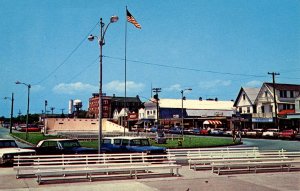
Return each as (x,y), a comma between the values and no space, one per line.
(212,122)
(286,111)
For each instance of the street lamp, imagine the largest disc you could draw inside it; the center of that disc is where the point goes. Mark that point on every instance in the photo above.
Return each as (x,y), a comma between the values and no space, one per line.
(28,87)
(183,98)
(11,110)
(101,42)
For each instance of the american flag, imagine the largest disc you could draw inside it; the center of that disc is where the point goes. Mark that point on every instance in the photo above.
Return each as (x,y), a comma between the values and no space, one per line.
(132,20)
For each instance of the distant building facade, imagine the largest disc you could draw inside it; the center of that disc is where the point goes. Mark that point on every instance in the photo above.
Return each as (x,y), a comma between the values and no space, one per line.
(194,112)
(113,105)
(259,107)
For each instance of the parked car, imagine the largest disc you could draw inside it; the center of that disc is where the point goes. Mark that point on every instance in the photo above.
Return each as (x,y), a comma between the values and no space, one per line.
(228,133)
(62,146)
(289,134)
(129,145)
(254,133)
(188,131)
(6,125)
(196,131)
(175,130)
(9,149)
(204,131)
(216,131)
(270,133)
(160,137)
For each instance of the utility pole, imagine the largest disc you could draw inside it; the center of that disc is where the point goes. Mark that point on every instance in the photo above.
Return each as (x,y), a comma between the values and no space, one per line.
(274,93)
(156,91)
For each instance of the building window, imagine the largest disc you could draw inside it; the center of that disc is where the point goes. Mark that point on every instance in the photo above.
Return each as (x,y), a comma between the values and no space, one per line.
(262,109)
(283,93)
(248,109)
(105,108)
(271,108)
(240,110)
(244,96)
(291,94)
(266,94)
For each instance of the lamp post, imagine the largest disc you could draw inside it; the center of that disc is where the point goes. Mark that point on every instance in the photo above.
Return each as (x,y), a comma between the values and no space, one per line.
(28,98)
(156,91)
(101,42)
(11,110)
(183,98)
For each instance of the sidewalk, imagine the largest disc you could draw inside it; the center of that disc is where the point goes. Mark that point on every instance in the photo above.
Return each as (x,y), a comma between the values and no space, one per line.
(190,180)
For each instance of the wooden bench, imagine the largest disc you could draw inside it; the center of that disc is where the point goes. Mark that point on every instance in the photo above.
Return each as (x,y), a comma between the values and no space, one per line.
(27,165)
(183,155)
(207,163)
(204,160)
(61,166)
(89,172)
(230,166)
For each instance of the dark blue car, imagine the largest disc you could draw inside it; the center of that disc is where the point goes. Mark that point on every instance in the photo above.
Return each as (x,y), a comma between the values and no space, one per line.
(129,145)
(175,130)
(62,146)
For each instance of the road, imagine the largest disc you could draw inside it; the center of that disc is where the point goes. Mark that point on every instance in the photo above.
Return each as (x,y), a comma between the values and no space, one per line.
(273,144)
(4,134)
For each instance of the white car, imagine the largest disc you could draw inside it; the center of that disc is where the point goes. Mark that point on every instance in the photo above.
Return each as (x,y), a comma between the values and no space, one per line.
(9,149)
(270,133)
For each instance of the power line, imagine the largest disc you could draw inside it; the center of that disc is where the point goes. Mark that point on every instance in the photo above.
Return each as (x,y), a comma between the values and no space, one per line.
(185,68)
(68,57)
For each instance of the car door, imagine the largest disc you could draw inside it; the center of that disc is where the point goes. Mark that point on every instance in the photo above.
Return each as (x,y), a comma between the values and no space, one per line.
(124,146)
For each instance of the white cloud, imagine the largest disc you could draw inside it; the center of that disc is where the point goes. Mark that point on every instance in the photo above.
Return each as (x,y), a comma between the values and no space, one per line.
(254,84)
(73,88)
(37,88)
(175,87)
(214,84)
(117,86)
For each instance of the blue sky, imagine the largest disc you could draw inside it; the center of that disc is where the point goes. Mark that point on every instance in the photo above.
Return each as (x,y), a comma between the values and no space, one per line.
(214,47)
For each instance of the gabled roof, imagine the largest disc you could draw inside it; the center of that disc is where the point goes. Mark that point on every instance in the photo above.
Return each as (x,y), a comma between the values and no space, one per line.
(288,87)
(251,93)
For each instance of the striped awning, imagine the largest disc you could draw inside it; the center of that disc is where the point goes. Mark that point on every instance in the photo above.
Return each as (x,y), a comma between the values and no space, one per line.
(212,122)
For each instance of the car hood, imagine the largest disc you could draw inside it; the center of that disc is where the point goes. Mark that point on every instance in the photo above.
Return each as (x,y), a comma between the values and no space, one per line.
(15,150)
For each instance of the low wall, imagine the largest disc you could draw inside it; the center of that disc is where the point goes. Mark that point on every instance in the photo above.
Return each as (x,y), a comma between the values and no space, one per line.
(54,125)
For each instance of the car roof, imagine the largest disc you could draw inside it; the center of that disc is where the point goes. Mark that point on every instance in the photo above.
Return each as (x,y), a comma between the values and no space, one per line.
(2,139)
(59,140)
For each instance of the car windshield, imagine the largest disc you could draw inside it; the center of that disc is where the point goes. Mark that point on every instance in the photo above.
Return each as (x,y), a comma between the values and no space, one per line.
(68,144)
(7,144)
(139,142)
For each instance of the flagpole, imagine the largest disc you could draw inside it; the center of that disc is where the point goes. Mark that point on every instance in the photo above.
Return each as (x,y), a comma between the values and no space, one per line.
(125,59)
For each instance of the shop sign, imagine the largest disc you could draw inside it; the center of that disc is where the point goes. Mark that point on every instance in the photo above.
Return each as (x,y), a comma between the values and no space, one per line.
(176,116)
(262,120)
